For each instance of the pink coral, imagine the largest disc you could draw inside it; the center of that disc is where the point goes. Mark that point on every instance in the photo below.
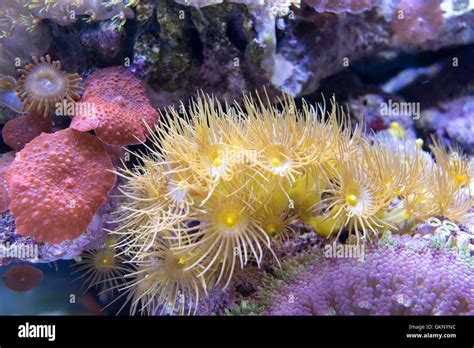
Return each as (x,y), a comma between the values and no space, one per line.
(22,129)
(119,107)
(57,183)
(405,276)
(417,21)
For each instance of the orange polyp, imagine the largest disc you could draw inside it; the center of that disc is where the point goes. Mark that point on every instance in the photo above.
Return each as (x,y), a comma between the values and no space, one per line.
(37,94)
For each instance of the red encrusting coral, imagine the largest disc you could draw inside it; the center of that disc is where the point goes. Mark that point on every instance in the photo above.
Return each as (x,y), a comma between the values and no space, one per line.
(57,183)
(118,108)
(20,130)
(417,21)
(22,278)
(5,162)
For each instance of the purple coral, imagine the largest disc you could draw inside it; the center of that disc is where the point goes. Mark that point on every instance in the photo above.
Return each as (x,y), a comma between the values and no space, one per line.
(341,6)
(454,119)
(418,21)
(403,277)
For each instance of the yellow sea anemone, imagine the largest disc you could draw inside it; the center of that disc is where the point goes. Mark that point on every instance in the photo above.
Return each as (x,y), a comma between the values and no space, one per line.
(219,182)
(282,138)
(406,170)
(149,207)
(452,161)
(305,195)
(276,215)
(43,84)
(400,167)
(101,268)
(199,143)
(450,187)
(357,196)
(229,232)
(162,281)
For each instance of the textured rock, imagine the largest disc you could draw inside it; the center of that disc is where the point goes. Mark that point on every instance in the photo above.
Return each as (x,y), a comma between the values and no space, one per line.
(214,48)
(453,121)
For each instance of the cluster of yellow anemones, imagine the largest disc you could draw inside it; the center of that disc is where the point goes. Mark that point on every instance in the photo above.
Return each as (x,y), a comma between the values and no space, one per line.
(222,183)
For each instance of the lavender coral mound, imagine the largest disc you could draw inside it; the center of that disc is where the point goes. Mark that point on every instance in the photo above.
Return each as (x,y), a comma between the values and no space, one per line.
(404,277)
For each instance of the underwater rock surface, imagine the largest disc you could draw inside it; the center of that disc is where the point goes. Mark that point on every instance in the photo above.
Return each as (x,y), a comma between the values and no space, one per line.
(236,43)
